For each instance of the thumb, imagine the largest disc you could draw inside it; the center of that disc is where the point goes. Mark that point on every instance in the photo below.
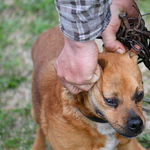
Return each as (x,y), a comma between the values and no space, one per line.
(110,42)
(96,75)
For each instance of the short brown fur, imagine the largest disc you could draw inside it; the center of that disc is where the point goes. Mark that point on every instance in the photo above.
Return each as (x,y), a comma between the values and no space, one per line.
(59,114)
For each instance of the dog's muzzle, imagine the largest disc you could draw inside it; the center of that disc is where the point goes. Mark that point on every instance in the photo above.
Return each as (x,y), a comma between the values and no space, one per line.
(135,125)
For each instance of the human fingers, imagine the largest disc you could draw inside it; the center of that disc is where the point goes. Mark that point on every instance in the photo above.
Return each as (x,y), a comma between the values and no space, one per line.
(77,88)
(84,87)
(96,74)
(137,47)
(95,78)
(71,88)
(109,34)
(111,43)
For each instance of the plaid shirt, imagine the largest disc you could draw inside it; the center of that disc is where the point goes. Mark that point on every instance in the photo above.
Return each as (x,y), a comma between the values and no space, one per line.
(83,20)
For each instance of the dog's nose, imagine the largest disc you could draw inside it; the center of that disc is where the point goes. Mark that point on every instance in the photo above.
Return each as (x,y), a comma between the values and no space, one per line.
(135,124)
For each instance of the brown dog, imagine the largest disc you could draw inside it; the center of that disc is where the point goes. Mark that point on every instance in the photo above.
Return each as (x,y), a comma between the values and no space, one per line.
(108,117)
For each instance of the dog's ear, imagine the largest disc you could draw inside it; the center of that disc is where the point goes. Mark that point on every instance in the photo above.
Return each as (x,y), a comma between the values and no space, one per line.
(132,55)
(102,63)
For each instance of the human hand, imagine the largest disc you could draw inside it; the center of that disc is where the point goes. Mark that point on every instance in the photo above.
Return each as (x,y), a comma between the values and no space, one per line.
(109,34)
(77,65)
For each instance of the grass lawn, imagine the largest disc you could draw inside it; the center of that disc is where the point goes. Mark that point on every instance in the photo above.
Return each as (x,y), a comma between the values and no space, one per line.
(21,21)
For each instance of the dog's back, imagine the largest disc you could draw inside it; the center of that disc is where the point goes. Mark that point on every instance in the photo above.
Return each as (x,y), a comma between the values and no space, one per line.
(45,47)
(44,52)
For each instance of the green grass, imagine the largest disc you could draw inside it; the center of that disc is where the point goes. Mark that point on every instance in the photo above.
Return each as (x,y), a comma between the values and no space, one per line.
(16,129)
(2,6)
(30,18)
(144,140)
(20,24)
(144,8)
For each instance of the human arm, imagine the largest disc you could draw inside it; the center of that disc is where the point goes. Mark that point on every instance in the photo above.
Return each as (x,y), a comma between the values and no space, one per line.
(77,66)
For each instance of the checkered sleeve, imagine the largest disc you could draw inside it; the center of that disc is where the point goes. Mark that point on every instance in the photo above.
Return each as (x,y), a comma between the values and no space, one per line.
(83,20)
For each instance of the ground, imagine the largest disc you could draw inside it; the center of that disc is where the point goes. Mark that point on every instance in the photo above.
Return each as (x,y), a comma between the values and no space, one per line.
(20,24)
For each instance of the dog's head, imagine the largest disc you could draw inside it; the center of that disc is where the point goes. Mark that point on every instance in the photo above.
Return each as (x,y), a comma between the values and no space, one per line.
(118,95)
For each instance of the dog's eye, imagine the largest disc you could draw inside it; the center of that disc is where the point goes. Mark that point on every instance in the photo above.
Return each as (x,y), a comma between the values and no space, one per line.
(139,96)
(111,101)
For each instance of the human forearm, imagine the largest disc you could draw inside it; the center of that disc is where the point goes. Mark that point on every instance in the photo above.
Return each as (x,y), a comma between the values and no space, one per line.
(83,21)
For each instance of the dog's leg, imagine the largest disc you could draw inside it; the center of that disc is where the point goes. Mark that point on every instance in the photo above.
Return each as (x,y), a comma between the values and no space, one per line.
(39,142)
(132,145)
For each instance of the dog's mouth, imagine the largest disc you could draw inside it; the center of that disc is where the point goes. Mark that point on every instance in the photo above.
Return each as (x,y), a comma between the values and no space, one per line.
(99,114)
(102,119)
(130,136)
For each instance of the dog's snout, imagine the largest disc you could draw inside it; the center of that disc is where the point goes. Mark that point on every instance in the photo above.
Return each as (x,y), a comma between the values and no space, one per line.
(135,124)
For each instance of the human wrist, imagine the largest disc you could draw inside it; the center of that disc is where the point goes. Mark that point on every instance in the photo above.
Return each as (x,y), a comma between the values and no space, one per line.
(82,49)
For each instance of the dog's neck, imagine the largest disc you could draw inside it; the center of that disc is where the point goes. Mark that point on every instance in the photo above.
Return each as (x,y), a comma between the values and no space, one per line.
(103,127)
(86,109)
(96,119)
